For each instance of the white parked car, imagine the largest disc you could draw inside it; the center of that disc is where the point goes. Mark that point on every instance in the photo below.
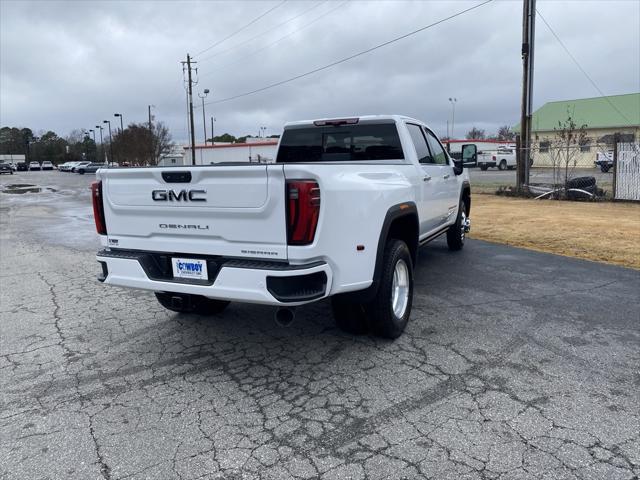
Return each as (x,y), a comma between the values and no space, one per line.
(47,165)
(77,165)
(341,214)
(34,166)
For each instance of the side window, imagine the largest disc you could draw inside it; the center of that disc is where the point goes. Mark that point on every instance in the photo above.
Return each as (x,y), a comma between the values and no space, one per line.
(439,157)
(424,155)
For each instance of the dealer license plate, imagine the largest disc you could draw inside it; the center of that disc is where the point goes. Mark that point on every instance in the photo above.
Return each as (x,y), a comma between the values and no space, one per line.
(190,268)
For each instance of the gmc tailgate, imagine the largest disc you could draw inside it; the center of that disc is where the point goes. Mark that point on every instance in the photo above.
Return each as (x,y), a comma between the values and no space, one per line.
(226,210)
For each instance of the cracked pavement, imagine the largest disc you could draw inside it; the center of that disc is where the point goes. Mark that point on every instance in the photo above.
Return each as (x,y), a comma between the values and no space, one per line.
(515,365)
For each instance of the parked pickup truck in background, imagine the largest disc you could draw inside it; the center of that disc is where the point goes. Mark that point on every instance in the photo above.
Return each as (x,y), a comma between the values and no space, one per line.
(340,214)
(604,160)
(503,158)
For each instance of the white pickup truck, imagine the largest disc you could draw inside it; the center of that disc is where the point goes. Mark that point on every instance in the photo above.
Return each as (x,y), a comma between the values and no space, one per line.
(503,158)
(341,214)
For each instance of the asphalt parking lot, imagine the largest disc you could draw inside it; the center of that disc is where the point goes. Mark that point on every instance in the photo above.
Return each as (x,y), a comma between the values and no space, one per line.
(515,365)
(538,175)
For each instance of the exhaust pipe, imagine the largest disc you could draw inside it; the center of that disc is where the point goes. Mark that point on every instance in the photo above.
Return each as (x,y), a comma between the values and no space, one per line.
(285,316)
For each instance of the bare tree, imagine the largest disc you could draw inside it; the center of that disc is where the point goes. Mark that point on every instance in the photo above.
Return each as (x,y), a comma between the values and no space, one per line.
(162,143)
(476,134)
(564,150)
(505,134)
(132,145)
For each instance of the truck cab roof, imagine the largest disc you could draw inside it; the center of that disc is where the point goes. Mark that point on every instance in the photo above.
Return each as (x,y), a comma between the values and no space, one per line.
(353,119)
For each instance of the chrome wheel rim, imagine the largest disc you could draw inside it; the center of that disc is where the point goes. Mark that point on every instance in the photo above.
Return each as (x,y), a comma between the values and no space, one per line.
(400,289)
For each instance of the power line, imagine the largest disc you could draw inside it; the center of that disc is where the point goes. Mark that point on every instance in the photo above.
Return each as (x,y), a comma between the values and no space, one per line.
(241,28)
(217,54)
(351,57)
(582,69)
(255,52)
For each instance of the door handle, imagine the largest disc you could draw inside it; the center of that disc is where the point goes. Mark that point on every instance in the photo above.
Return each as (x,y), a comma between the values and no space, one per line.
(426,178)
(446,176)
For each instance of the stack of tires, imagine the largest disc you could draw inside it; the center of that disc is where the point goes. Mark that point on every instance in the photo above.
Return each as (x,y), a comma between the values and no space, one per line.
(577,186)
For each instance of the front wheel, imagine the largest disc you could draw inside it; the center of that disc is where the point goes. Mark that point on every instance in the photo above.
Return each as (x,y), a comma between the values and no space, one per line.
(185,303)
(502,165)
(389,311)
(458,231)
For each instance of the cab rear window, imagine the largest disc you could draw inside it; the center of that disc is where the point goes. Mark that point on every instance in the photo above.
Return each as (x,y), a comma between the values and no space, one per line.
(340,143)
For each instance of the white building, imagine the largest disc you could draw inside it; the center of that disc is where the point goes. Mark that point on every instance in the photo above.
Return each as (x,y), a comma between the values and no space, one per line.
(263,151)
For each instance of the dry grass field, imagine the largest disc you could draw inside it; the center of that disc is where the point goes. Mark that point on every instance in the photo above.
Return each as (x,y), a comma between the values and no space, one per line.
(603,232)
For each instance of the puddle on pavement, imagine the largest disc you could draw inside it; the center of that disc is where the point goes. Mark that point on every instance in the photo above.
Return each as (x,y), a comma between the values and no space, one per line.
(21,188)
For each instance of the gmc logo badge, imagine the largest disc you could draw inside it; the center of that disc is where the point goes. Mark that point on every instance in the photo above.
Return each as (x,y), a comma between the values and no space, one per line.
(181,196)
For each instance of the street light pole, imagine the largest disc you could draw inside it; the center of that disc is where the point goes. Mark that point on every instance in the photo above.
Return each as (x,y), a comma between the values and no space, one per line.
(121,126)
(453,114)
(100,127)
(110,142)
(94,142)
(204,118)
(212,132)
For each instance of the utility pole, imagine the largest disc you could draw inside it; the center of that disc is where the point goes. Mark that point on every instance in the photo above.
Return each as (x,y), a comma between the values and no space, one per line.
(190,95)
(212,134)
(528,42)
(151,148)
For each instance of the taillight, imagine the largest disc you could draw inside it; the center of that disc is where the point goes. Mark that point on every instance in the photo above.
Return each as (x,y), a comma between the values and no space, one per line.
(303,209)
(98,208)
(493,158)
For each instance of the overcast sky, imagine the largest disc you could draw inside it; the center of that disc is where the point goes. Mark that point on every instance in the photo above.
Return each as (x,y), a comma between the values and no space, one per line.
(68,65)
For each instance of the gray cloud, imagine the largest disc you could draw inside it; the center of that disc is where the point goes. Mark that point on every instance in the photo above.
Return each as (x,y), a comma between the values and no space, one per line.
(66,65)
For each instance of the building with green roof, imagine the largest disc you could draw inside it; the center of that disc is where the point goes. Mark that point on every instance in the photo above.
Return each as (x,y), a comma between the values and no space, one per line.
(603,117)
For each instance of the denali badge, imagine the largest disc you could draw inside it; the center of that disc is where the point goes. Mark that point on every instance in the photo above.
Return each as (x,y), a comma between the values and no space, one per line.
(182,195)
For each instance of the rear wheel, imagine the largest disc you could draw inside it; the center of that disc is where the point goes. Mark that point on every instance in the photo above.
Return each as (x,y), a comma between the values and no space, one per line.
(484,167)
(185,303)
(458,231)
(389,311)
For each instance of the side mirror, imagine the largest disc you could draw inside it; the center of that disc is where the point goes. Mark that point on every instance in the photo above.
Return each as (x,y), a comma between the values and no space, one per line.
(469,154)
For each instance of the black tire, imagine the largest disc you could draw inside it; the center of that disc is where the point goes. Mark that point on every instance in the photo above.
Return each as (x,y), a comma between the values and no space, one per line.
(502,165)
(582,182)
(383,320)
(349,314)
(456,233)
(81,172)
(604,168)
(484,167)
(185,303)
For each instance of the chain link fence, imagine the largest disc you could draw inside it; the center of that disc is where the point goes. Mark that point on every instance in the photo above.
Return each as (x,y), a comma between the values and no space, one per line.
(548,155)
(626,184)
